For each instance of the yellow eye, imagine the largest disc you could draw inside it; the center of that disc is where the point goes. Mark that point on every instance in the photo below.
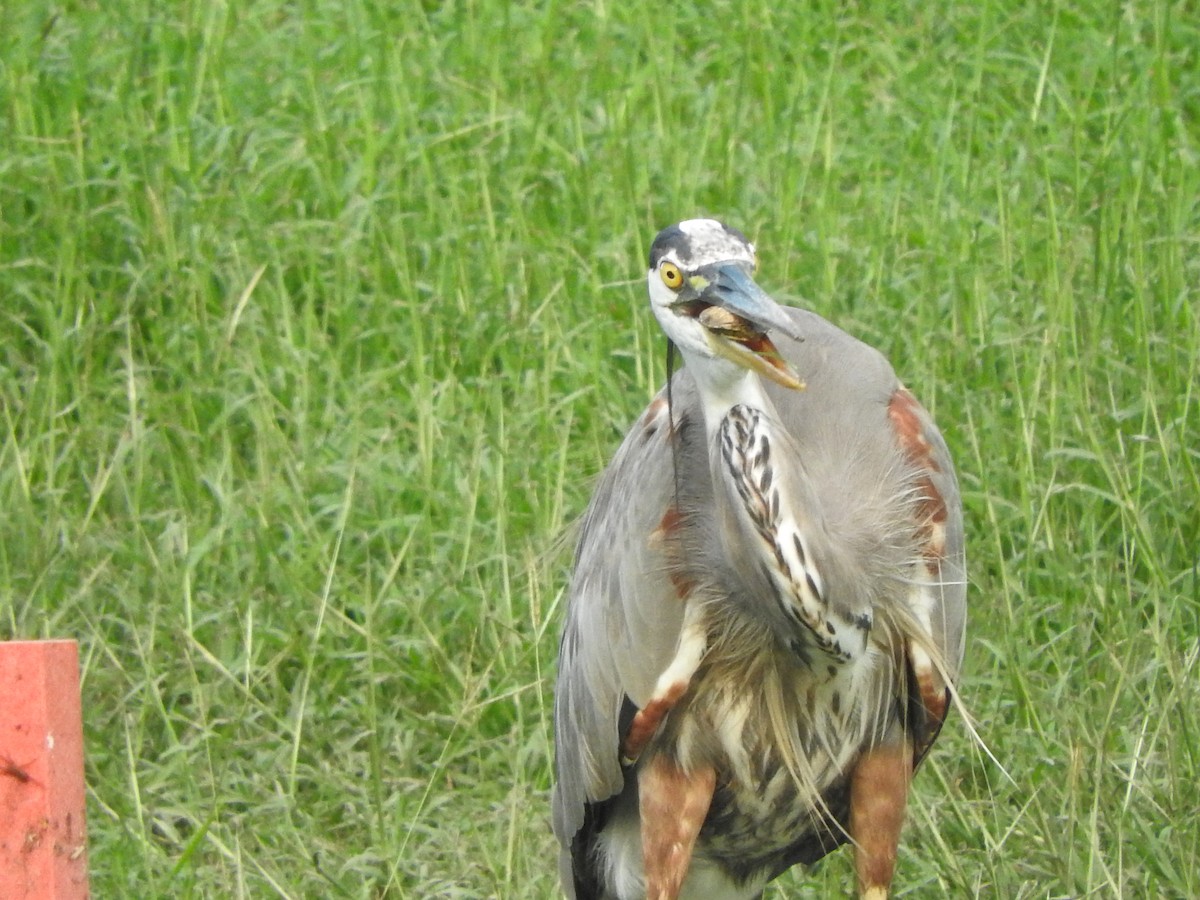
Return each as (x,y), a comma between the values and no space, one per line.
(671,276)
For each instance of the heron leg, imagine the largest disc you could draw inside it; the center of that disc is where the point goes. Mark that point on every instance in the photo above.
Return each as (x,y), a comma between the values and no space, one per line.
(878,795)
(673,805)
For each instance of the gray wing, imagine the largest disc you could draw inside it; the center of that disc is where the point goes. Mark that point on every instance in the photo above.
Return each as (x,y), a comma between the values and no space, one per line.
(843,427)
(623,616)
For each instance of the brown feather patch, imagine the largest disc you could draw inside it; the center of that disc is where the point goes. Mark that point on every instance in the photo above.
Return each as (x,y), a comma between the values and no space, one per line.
(933,697)
(905,414)
(673,804)
(670,522)
(664,538)
(932,701)
(647,721)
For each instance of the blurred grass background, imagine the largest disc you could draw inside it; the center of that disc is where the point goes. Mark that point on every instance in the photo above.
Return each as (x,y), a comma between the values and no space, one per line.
(318,319)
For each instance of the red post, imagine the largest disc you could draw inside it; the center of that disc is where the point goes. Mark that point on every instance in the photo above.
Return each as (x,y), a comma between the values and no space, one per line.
(43,833)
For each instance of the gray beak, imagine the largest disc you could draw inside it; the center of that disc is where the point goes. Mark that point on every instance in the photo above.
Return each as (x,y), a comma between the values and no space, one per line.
(737,316)
(729,287)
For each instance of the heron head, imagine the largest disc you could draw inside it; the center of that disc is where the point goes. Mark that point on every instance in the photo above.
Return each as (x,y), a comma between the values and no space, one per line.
(703,294)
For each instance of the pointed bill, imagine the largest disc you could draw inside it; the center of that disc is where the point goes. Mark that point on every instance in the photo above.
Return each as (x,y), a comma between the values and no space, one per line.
(738,320)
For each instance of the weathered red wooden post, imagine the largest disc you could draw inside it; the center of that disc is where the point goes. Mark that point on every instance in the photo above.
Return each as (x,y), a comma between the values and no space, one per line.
(43,833)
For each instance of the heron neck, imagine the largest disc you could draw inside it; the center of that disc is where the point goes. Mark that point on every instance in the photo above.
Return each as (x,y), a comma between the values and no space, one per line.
(721,390)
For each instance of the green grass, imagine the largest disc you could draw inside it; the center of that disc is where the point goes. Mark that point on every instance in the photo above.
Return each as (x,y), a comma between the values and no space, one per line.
(318,320)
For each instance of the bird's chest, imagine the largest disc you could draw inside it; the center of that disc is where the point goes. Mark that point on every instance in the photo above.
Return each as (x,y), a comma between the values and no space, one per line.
(782,736)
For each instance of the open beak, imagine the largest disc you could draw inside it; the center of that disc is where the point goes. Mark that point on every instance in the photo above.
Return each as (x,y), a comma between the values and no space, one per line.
(737,315)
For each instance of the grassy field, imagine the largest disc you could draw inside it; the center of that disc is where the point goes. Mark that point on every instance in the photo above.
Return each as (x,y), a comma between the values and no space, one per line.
(317,321)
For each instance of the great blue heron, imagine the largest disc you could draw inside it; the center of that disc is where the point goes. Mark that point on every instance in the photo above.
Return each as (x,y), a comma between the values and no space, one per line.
(767,610)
